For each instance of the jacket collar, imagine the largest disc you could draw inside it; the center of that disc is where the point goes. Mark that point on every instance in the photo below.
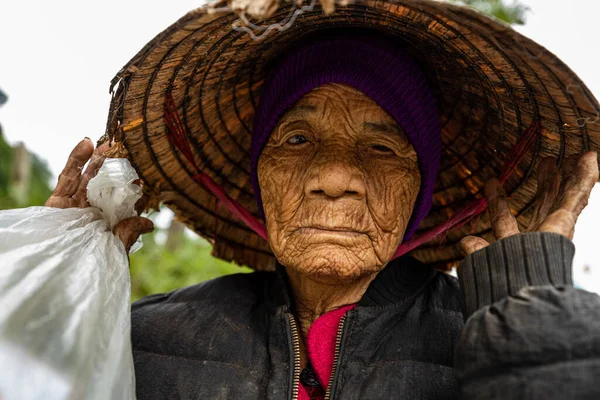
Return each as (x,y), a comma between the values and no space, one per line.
(400,279)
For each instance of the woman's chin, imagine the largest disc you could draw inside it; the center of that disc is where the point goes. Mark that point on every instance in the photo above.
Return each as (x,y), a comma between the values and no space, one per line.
(334,263)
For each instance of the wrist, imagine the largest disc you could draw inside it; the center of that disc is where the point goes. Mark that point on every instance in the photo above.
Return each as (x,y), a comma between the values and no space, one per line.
(510,264)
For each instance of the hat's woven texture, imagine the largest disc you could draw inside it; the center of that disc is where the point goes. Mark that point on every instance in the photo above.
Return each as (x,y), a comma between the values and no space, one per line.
(490,84)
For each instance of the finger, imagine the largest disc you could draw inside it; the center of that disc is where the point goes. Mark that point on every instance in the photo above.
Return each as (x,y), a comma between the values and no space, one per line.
(91,170)
(548,183)
(130,229)
(99,153)
(569,166)
(503,221)
(140,205)
(578,184)
(562,221)
(61,202)
(470,244)
(68,180)
(328,6)
(567,173)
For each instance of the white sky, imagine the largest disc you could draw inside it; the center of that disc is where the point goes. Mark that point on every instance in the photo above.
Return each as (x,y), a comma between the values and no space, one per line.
(58,57)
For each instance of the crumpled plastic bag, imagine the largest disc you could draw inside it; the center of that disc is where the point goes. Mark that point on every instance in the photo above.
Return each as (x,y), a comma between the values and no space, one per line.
(113,192)
(65,296)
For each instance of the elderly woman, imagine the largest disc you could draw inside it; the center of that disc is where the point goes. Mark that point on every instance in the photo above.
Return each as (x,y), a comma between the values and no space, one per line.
(344,160)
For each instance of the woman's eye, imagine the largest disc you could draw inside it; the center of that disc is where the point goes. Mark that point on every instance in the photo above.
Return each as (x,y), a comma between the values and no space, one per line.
(382,148)
(297,139)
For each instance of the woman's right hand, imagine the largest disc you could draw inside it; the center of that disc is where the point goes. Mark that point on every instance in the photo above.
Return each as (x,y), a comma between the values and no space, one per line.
(561,196)
(71,190)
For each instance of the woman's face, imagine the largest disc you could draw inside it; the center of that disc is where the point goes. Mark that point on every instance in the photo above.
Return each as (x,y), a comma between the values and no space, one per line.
(339,180)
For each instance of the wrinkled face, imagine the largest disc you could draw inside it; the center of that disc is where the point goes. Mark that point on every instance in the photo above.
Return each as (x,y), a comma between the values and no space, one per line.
(338,180)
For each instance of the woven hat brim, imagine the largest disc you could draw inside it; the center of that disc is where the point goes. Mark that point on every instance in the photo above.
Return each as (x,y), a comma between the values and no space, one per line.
(490,83)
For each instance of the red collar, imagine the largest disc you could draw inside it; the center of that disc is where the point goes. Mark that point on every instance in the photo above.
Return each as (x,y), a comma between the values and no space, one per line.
(320,344)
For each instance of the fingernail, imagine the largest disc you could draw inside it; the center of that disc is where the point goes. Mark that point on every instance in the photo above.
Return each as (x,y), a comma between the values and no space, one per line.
(87,138)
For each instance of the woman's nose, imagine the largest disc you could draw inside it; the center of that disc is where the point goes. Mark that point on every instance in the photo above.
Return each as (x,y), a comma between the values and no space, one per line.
(336,179)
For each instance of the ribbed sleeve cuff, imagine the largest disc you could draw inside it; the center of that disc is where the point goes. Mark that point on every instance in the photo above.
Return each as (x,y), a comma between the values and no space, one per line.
(510,264)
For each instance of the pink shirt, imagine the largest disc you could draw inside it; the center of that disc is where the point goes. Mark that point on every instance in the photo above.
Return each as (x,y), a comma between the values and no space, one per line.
(320,344)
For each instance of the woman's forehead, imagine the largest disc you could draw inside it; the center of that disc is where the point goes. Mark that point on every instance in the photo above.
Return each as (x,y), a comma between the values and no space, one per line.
(335,93)
(334,101)
(341,104)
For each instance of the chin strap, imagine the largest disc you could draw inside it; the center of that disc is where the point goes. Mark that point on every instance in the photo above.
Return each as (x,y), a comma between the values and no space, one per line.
(177,137)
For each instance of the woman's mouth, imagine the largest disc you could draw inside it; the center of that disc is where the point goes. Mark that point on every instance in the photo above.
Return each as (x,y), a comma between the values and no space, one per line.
(333,230)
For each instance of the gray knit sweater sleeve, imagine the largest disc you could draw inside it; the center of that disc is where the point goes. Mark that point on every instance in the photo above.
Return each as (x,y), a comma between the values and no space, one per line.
(528,334)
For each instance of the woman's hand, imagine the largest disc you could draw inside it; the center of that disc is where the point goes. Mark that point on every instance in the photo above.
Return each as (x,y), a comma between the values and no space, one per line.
(560,198)
(71,190)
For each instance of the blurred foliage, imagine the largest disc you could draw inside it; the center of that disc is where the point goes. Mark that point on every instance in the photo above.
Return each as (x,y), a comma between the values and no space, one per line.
(3,98)
(39,178)
(6,160)
(160,266)
(39,189)
(511,13)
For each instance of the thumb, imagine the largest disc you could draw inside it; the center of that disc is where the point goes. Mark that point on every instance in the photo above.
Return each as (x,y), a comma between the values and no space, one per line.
(130,229)
(470,244)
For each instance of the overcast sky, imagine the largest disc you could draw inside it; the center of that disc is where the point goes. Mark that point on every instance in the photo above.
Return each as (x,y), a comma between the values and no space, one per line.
(57,58)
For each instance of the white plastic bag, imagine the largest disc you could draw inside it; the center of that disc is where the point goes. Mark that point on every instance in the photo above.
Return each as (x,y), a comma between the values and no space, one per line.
(65,296)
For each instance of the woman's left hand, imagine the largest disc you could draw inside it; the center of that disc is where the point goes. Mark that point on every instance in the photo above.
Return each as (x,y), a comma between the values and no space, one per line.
(560,198)
(71,190)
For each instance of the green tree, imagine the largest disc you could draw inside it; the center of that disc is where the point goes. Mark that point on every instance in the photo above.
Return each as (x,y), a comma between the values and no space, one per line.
(5,172)
(513,13)
(37,185)
(18,189)
(160,266)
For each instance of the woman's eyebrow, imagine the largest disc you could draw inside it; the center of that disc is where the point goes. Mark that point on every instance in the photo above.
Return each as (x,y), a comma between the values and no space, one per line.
(384,127)
(300,111)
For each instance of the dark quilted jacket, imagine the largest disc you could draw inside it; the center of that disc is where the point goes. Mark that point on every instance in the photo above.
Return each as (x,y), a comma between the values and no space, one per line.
(528,334)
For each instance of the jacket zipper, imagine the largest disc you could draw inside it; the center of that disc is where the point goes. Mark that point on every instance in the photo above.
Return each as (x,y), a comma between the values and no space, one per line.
(296,349)
(338,343)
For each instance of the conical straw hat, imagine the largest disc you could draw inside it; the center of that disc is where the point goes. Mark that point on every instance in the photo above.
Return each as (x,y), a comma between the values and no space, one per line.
(491,84)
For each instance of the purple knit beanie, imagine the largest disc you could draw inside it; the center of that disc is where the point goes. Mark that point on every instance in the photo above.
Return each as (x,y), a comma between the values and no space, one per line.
(379,68)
